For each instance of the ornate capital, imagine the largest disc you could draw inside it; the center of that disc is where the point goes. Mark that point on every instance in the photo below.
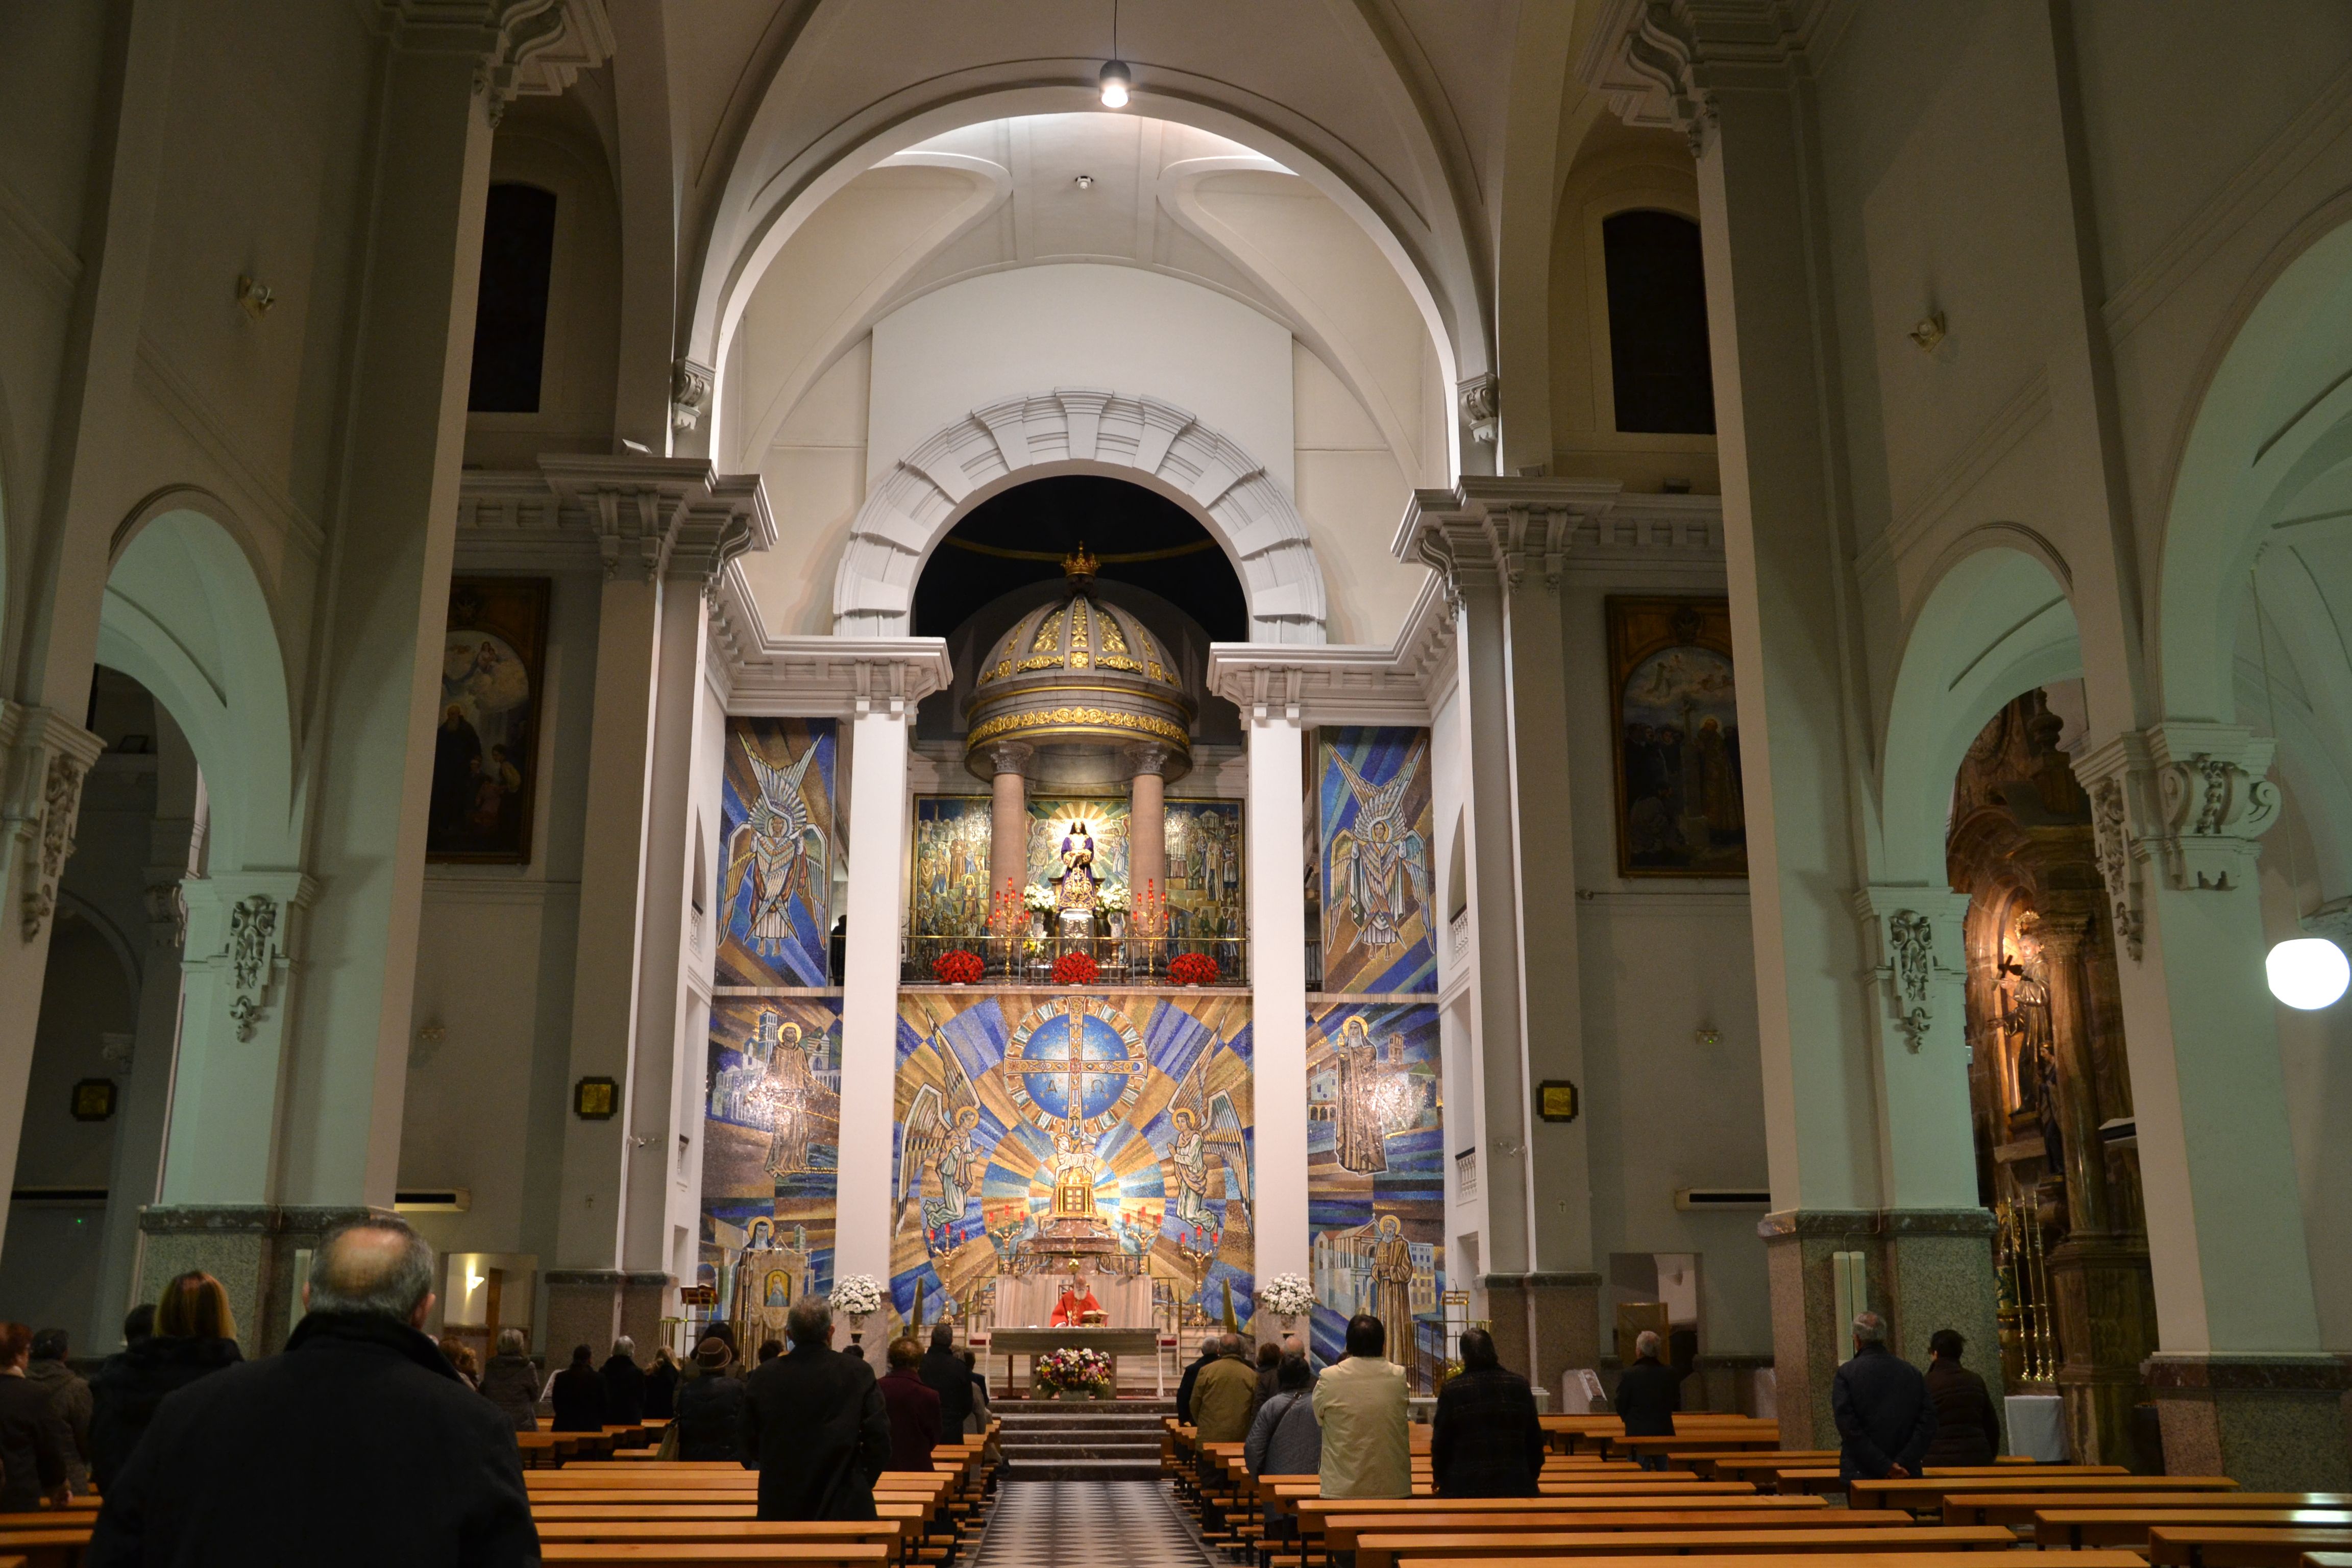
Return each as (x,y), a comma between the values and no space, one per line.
(1149,757)
(689,393)
(2189,798)
(45,756)
(1009,757)
(657,516)
(1902,924)
(245,922)
(1481,407)
(1486,532)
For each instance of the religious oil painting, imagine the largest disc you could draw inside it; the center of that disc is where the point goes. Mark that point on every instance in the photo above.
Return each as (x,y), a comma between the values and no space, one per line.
(1375,1174)
(770,1133)
(1373,814)
(1042,1129)
(776,852)
(952,896)
(1679,809)
(1205,869)
(486,745)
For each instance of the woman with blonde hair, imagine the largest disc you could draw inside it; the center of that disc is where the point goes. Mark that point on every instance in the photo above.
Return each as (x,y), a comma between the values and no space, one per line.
(195,1335)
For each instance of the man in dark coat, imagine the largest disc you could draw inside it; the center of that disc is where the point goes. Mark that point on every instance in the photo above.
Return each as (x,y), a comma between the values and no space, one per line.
(709,1418)
(1485,1439)
(815,1423)
(944,1370)
(1192,1376)
(131,1385)
(1885,1418)
(287,1459)
(1648,1393)
(913,1406)
(1968,1428)
(624,1384)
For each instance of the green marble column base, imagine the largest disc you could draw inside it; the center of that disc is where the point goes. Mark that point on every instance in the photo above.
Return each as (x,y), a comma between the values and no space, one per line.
(260,1253)
(2270,1423)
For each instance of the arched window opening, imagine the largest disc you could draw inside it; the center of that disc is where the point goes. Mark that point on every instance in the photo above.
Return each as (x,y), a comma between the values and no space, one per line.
(1657,324)
(511,308)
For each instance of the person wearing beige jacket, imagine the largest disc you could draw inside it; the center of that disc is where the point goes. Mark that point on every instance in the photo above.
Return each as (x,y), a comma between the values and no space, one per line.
(1224,1397)
(1360,1406)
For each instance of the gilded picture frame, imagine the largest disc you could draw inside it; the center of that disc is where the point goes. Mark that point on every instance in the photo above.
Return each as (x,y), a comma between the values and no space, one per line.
(1675,738)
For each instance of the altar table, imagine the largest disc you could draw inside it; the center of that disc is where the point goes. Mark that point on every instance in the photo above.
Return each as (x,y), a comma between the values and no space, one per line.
(1027,1302)
(1112,1343)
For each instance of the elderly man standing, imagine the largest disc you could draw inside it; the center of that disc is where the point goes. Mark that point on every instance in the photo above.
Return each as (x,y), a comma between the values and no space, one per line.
(815,1421)
(1885,1419)
(286,1459)
(1486,1439)
(1360,1406)
(1224,1397)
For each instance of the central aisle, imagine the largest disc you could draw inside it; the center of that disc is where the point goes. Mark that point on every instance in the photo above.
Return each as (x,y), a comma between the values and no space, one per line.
(1051,1524)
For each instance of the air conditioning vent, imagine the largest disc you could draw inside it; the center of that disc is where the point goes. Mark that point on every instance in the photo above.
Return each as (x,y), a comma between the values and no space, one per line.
(1688,1199)
(434,1200)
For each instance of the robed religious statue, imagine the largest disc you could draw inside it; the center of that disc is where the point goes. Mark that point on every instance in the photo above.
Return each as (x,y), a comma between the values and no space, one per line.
(1075,882)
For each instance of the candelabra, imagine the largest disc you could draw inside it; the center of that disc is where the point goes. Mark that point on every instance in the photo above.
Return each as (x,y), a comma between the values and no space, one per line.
(1146,922)
(2026,1307)
(1198,1251)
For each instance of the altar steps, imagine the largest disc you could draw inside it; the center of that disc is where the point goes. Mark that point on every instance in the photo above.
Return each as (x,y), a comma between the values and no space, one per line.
(1056,1441)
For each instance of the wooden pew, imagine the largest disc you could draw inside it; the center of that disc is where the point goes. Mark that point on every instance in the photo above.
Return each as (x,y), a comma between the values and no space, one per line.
(1922,1493)
(2072,1529)
(53,1548)
(731,1531)
(2231,1546)
(1306,1511)
(1824,1478)
(1380,1549)
(734,1554)
(2006,1506)
(1889,1559)
(1341,1530)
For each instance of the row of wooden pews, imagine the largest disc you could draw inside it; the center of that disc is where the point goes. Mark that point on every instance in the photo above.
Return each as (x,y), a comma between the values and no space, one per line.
(1728,1492)
(637,1509)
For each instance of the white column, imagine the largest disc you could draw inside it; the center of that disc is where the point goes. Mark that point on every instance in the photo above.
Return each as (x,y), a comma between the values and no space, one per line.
(869,1007)
(1277,955)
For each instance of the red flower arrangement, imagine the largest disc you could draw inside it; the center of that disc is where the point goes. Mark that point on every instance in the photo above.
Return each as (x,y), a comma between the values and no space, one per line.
(959,967)
(1075,969)
(1193,969)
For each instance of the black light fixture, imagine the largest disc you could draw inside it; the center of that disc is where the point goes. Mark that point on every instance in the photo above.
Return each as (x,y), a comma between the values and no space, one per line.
(1117,81)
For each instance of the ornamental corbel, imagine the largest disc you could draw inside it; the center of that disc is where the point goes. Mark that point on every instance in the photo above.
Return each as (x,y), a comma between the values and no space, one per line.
(253,953)
(1908,963)
(2216,803)
(2118,868)
(690,387)
(1481,407)
(47,757)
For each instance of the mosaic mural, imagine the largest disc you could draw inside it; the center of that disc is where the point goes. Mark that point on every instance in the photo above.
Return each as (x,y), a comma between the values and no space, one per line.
(1138,1154)
(1374,820)
(771,1131)
(777,850)
(1375,1168)
(1205,869)
(951,895)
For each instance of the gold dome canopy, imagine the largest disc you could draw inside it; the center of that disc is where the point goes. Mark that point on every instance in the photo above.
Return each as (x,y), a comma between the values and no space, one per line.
(1078,671)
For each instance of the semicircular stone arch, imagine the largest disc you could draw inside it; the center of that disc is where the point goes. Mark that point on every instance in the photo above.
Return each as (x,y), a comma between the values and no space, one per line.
(1079,430)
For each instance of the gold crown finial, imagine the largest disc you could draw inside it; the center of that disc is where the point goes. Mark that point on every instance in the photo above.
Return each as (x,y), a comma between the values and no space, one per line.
(1079,566)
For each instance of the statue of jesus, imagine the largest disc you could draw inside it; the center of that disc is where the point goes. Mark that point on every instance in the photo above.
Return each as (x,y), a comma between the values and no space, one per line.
(1075,882)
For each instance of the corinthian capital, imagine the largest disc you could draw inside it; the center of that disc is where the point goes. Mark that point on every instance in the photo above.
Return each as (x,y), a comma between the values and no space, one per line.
(2190,799)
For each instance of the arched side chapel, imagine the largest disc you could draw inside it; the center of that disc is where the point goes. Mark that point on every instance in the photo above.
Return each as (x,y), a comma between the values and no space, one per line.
(619,732)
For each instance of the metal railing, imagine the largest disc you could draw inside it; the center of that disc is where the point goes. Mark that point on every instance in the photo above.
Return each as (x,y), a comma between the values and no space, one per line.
(1028,960)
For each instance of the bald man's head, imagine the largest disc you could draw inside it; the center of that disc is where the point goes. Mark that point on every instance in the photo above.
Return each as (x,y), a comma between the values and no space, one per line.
(378,1266)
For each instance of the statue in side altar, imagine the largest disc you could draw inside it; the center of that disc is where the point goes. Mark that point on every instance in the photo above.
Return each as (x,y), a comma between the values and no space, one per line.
(1074,884)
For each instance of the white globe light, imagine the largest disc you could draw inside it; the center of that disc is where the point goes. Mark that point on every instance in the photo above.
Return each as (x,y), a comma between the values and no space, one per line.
(2308,973)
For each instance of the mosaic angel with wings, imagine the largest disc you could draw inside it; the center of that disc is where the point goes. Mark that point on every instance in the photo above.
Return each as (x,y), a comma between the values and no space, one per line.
(940,1151)
(1380,867)
(777,850)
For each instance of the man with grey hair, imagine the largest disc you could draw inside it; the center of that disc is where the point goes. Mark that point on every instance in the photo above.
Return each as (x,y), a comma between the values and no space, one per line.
(1884,1417)
(815,1423)
(1648,1393)
(624,1384)
(294,1458)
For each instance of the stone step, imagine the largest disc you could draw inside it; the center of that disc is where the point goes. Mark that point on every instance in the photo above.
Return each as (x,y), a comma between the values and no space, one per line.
(1061,1432)
(1014,1470)
(1148,1454)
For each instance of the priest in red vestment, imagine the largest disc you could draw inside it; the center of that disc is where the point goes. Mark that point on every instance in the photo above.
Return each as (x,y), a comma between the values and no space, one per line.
(1077,1301)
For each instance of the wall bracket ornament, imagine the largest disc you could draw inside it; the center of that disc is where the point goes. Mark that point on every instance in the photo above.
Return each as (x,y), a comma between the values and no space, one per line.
(1902,920)
(2192,799)
(253,954)
(47,757)
(1911,954)
(2111,838)
(689,393)
(1482,407)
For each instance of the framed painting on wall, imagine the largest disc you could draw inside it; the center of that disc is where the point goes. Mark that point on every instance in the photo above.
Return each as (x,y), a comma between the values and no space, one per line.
(1676,731)
(486,742)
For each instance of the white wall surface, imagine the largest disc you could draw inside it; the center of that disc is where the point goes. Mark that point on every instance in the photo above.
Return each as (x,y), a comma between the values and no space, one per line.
(1005,334)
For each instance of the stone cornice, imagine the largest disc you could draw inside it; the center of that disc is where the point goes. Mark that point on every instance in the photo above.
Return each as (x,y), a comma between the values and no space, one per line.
(659,516)
(824,677)
(533,49)
(1657,61)
(1488,532)
(1341,683)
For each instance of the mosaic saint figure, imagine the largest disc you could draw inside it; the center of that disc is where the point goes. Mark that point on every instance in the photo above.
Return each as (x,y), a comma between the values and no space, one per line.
(1393,1287)
(778,851)
(1363,1136)
(1380,867)
(1188,1152)
(941,1144)
(791,1091)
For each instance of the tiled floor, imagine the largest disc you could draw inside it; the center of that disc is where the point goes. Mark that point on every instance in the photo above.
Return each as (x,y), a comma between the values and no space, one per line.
(1067,1524)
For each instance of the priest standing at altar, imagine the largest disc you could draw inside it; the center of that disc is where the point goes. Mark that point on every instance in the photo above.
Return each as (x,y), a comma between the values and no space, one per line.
(1078,1301)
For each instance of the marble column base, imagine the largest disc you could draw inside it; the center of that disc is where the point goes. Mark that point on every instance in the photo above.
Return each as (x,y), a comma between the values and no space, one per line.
(593,1307)
(2106,1326)
(1925,1269)
(260,1253)
(2270,1423)
(1545,1324)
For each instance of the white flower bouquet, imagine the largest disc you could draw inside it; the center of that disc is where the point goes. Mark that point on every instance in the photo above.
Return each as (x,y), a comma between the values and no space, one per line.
(858,1295)
(1037,899)
(1287,1296)
(1074,1371)
(1113,900)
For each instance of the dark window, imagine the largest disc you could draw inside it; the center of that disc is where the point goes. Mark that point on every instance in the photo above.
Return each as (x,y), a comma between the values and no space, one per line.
(1657,324)
(510,312)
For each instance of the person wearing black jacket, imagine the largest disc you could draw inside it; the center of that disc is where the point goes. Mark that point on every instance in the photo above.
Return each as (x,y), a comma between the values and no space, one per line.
(289,1459)
(1485,1439)
(625,1386)
(661,1386)
(34,1440)
(510,1381)
(1968,1428)
(577,1392)
(1885,1419)
(1192,1376)
(815,1423)
(192,1335)
(1648,1393)
(950,1379)
(710,1420)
